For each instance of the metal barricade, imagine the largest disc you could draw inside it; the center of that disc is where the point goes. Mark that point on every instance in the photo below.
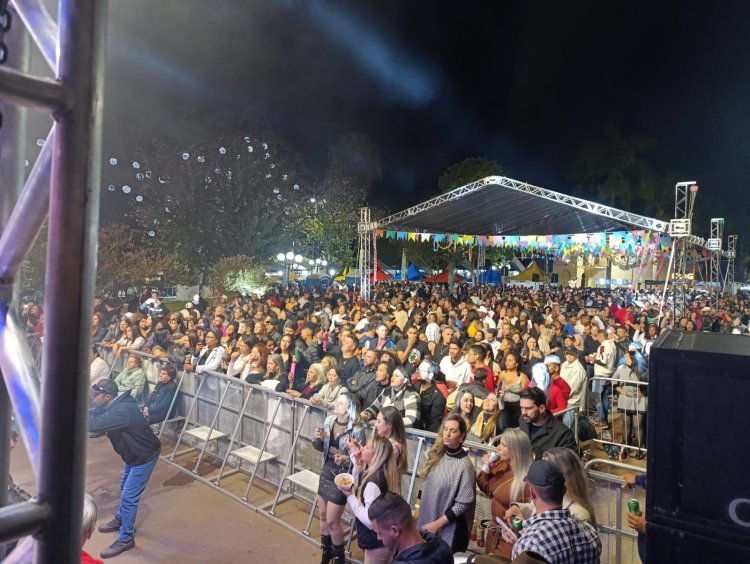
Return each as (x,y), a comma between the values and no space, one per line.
(619,543)
(255,446)
(250,443)
(619,419)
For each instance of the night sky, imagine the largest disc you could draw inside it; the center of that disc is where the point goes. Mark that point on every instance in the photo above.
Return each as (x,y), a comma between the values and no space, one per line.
(524,83)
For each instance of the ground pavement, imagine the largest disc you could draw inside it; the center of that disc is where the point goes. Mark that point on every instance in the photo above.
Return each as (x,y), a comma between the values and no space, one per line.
(179,519)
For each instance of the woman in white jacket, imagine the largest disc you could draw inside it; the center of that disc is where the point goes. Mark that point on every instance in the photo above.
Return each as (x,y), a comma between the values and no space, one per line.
(375,472)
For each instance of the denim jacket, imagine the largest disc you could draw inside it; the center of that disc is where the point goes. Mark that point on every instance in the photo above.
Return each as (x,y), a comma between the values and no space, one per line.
(354,431)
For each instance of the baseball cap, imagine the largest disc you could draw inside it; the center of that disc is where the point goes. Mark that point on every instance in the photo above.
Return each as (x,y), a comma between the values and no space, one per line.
(106,386)
(552,358)
(543,473)
(571,350)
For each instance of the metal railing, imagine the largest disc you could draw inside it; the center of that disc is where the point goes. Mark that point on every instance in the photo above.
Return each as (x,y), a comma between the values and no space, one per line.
(231,415)
(619,415)
(619,544)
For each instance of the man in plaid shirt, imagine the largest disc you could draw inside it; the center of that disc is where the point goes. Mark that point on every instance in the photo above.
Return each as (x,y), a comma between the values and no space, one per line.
(553,532)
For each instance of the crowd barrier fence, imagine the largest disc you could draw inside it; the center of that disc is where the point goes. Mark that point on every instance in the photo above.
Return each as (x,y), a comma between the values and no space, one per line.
(619,543)
(254,433)
(618,415)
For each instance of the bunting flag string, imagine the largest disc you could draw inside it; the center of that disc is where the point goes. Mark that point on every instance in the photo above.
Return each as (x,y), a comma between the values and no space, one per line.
(644,245)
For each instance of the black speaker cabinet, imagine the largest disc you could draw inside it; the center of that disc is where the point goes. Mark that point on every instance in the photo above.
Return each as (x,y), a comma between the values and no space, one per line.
(698,496)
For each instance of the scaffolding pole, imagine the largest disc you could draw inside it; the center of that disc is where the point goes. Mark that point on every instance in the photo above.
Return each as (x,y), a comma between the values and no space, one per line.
(75,101)
(730,254)
(364,228)
(714,247)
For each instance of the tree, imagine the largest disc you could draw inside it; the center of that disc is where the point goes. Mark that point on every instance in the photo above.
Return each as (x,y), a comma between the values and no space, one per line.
(239,274)
(328,227)
(221,198)
(612,168)
(33,268)
(466,171)
(126,262)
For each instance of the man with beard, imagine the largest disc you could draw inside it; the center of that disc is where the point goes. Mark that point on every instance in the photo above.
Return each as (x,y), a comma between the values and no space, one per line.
(544,430)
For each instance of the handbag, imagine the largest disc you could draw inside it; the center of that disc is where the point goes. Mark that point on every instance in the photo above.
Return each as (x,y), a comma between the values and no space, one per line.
(586,429)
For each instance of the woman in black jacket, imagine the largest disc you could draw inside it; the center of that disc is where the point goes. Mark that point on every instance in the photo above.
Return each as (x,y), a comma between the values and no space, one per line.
(156,409)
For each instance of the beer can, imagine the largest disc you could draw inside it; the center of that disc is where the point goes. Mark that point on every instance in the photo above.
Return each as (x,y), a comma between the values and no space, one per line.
(634,507)
(517,523)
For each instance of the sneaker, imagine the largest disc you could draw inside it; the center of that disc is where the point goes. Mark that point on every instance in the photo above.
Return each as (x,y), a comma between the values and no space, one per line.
(623,455)
(111,527)
(117,547)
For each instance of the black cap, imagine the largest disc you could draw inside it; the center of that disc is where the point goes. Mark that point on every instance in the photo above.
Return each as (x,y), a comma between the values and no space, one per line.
(543,473)
(106,386)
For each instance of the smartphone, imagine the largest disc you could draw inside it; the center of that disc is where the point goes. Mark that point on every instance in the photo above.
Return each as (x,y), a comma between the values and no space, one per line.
(505,527)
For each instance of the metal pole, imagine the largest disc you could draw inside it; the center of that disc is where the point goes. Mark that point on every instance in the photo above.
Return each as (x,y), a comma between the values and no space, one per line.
(12,141)
(24,518)
(42,27)
(28,215)
(71,270)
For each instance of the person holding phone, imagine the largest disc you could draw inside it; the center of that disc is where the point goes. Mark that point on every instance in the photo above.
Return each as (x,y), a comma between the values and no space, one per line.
(553,532)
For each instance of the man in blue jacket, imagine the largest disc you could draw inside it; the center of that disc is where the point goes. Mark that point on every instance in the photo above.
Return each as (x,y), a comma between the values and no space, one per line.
(118,416)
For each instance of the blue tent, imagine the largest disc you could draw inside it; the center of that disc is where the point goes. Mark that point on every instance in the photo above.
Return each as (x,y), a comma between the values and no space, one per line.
(413,273)
(490,276)
(317,282)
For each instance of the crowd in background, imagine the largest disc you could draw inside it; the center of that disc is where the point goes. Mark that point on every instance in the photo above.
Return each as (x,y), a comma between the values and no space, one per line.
(507,367)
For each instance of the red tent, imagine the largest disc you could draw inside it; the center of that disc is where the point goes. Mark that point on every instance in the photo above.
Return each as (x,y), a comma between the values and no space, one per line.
(442,278)
(380,275)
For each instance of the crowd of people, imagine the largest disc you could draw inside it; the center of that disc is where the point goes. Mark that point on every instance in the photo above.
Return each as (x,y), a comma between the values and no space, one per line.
(508,368)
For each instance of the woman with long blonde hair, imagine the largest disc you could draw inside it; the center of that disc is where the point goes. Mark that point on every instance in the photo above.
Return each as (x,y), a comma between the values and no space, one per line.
(375,472)
(577,498)
(501,478)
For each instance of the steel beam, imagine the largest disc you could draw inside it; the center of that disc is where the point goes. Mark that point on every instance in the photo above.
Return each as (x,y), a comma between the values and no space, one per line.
(364,228)
(71,269)
(28,215)
(25,518)
(41,26)
(33,91)
(635,220)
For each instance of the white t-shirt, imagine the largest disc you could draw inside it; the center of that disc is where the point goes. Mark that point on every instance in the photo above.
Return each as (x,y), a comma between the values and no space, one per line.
(460,373)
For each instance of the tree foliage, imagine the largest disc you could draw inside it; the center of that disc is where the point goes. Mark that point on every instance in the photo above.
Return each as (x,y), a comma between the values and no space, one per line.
(221,198)
(466,171)
(238,273)
(33,268)
(125,262)
(328,228)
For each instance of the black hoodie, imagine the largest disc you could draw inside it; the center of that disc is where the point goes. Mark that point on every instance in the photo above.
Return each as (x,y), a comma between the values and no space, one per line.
(433,550)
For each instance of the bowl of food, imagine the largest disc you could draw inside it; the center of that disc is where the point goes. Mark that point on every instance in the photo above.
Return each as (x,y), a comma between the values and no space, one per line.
(344,480)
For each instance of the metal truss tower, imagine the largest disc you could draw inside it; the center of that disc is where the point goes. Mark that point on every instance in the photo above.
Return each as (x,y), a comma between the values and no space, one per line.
(366,233)
(680,229)
(714,246)
(64,186)
(730,254)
